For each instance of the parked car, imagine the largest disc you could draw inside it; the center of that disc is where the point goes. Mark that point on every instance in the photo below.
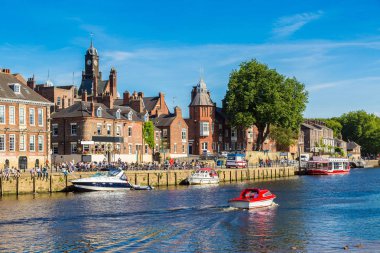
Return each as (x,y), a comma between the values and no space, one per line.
(236,161)
(223,154)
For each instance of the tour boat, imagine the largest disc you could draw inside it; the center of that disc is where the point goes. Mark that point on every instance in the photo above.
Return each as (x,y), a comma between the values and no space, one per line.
(114,180)
(204,176)
(253,198)
(328,166)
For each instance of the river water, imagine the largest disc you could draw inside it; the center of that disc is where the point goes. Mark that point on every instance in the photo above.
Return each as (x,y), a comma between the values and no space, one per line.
(313,214)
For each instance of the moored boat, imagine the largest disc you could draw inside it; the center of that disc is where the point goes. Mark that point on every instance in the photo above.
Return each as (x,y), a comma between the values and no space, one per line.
(204,176)
(327,166)
(253,198)
(114,180)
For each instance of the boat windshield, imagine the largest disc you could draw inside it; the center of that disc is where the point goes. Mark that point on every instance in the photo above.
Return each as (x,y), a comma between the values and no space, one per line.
(113,172)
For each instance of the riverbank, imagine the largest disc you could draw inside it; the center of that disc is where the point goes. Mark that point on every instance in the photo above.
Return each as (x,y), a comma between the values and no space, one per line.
(58,182)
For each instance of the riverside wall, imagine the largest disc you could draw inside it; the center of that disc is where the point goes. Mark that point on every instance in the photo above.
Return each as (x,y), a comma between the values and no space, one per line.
(58,182)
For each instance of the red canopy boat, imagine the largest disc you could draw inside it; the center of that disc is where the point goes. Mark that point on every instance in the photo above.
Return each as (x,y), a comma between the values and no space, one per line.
(253,198)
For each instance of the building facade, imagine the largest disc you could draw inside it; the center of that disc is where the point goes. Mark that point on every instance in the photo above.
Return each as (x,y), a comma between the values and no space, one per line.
(24,124)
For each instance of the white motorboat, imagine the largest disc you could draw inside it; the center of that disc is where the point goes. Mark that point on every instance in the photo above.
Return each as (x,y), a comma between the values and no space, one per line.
(114,180)
(204,176)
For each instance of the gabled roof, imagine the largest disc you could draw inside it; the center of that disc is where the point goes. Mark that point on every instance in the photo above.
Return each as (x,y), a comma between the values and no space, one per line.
(150,103)
(352,145)
(26,93)
(163,120)
(82,109)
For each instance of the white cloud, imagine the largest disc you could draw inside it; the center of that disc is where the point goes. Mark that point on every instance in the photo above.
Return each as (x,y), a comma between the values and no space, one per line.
(286,26)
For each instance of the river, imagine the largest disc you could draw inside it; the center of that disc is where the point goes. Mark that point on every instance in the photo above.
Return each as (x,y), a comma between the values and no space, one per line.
(313,214)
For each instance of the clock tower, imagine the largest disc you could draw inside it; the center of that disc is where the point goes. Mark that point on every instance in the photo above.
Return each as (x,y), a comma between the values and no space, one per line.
(91,63)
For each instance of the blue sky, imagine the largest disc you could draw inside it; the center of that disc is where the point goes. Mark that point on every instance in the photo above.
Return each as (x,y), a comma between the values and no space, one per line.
(333,47)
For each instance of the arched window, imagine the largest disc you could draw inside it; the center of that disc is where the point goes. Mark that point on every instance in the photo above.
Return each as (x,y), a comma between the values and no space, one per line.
(99,112)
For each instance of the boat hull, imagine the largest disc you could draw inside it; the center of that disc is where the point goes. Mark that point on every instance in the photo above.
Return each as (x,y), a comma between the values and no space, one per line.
(197,181)
(86,186)
(327,172)
(245,204)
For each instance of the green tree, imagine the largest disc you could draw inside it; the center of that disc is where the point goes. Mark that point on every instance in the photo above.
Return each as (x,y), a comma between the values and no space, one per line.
(363,128)
(148,133)
(260,96)
(335,125)
(284,137)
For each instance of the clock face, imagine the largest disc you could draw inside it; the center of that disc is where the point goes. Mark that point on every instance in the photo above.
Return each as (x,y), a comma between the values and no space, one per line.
(88,62)
(95,62)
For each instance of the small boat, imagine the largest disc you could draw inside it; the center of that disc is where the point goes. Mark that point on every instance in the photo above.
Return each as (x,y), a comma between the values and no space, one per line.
(204,176)
(328,166)
(114,180)
(253,198)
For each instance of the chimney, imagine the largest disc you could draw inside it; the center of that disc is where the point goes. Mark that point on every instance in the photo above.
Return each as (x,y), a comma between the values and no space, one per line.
(6,71)
(31,83)
(100,75)
(141,94)
(193,93)
(113,83)
(162,100)
(125,98)
(92,109)
(84,95)
(108,101)
(178,112)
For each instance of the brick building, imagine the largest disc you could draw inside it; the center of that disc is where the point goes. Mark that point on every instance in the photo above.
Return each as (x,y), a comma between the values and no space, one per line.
(91,131)
(62,96)
(209,128)
(24,124)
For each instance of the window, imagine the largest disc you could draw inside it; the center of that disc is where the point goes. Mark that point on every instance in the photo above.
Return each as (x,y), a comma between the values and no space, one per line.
(2,142)
(226,132)
(204,145)
(2,114)
(129,131)
(165,133)
(157,135)
(86,147)
(73,129)
(212,128)
(99,129)
(22,115)
(74,149)
(213,146)
(220,126)
(55,148)
(117,147)
(40,143)
(129,148)
(58,101)
(156,149)
(183,148)
(16,88)
(12,142)
(99,112)
(233,133)
(11,115)
(118,130)
(204,128)
(226,146)
(146,149)
(22,143)
(31,116)
(108,129)
(40,117)
(32,144)
(118,114)
(130,115)
(238,146)
(183,134)
(55,129)
(175,147)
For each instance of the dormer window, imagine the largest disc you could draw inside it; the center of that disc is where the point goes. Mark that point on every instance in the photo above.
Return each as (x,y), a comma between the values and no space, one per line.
(130,115)
(15,87)
(118,114)
(99,112)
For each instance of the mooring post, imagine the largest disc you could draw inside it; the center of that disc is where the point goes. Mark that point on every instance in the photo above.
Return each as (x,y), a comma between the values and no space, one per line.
(34,184)
(17,186)
(148,178)
(167,178)
(1,186)
(66,184)
(50,184)
(175,178)
(135,178)
(158,179)
(230,175)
